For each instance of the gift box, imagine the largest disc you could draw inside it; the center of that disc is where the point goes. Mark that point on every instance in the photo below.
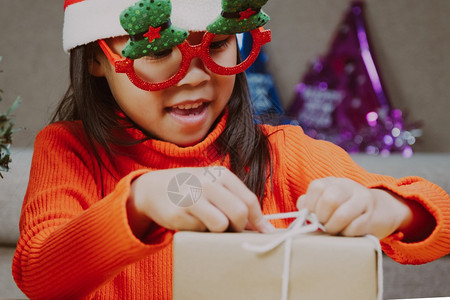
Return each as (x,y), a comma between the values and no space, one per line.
(320,266)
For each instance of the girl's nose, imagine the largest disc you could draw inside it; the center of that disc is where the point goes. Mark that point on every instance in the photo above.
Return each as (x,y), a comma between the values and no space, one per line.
(196,74)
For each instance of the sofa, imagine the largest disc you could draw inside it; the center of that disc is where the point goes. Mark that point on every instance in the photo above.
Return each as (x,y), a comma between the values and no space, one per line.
(400,281)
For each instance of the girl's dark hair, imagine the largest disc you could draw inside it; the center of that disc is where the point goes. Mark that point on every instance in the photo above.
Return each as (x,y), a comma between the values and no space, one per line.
(89,99)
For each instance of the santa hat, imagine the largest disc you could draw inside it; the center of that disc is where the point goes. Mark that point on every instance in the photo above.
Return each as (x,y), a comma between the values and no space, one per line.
(86,21)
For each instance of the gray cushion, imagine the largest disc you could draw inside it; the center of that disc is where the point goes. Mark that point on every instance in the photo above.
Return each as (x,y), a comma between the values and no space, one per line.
(434,167)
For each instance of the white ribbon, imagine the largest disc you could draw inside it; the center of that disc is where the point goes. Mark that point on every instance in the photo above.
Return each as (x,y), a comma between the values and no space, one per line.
(304,222)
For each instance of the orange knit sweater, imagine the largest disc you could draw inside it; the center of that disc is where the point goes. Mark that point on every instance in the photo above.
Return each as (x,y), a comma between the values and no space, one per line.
(75,240)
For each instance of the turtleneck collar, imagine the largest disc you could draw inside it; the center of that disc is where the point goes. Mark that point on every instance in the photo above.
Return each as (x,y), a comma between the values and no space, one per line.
(205,147)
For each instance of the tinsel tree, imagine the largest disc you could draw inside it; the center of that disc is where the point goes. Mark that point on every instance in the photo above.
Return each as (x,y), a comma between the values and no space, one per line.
(342,97)
(6,131)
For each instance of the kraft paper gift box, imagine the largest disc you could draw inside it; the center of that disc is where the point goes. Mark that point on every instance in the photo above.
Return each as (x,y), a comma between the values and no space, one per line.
(217,266)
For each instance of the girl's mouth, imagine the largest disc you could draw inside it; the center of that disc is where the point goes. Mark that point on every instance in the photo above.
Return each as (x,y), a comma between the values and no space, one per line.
(188,109)
(189,114)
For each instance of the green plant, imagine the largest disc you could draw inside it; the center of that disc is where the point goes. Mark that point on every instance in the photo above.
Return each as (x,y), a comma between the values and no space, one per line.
(6,131)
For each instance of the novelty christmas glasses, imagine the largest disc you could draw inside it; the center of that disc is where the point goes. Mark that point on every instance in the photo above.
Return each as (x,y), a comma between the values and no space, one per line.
(161,70)
(158,55)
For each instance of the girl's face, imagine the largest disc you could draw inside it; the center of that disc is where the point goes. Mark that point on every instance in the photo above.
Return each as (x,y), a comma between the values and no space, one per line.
(182,114)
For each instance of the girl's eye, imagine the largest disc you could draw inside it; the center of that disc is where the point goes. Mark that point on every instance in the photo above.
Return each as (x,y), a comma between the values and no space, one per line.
(158,55)
(216,45)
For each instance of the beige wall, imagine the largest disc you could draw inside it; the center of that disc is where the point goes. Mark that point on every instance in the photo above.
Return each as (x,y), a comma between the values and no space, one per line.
(411,39)
(34,64)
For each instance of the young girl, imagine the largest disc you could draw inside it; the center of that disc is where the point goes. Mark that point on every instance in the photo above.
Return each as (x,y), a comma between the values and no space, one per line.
(158,99)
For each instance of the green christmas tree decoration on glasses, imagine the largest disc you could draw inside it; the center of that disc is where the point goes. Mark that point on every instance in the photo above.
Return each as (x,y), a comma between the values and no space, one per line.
(239,16)
(148,24)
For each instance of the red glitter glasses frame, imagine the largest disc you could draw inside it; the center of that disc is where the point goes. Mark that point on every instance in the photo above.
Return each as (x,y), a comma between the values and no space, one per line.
(260,37)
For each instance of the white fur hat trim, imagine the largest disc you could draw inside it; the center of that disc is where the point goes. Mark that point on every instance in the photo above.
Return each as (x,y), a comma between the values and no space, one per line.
(86,21)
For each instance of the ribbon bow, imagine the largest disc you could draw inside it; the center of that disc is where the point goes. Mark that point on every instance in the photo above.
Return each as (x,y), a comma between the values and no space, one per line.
(305,222)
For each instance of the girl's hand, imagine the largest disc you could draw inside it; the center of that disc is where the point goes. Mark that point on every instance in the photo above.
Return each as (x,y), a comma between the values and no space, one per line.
(225,203)
(346,207)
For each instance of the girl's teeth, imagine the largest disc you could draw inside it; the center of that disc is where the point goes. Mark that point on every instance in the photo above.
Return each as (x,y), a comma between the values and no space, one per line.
(189,106)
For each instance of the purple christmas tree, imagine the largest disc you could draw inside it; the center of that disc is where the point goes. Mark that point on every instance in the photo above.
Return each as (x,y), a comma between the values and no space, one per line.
(342,98)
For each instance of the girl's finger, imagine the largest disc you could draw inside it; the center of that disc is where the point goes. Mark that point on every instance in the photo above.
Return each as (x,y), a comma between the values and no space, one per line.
(214,219)
(250,227)
(181,220)
(358,227)
(232,183)
(314,193)
(302,203)
(344,215)
(329,201)
(231,205)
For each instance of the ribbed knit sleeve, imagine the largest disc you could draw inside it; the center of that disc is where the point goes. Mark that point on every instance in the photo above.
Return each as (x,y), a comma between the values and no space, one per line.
(72,241)
(303,160)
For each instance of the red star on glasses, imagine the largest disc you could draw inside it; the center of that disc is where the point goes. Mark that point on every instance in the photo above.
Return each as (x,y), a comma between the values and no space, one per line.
(152,33)
(246,14)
